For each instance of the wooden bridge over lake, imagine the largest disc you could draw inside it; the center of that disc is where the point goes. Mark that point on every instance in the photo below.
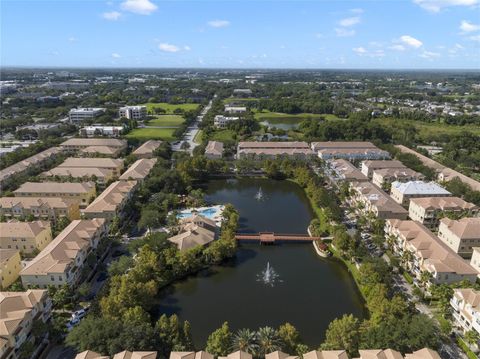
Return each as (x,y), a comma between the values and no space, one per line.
(272,237)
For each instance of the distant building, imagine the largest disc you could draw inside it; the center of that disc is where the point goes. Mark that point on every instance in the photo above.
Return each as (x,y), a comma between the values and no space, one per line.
(133,112)
(10,266)
(386,176)
(352,151)
(403,192)
(27,237)
(100,176)
(113,164)
(81,114)
(242,92)
(344,170)
(460,235)
(235,109)
(45,208)
(465,303)
(98,130)
(368,167)
(77,144)
(147,149)
(300,150)
(214,150)
(221,121)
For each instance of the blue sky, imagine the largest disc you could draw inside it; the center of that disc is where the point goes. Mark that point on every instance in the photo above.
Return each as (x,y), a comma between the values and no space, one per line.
(242,34)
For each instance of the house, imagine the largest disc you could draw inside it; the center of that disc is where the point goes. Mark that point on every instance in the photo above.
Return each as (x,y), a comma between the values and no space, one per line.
(194,231)
(100,176)
(76,115)
(368,167)
(76,144)
(113,164)
(344,170)
(81,192)
(10,266)
(139,170)
(424,353)
(299,150)
(191,355)
(221,121)
(403,192)
(133,112)
(88,354)
(235,109)
(461,235)
(237,355)
(372,200)
(45,208)
(326,354)
(27,237)
(214,150)
(147,149)
(99,130)
(429,210)
(424,252)
(465,303)
(62,260)
(18,313)
(111,201)
(280,355)
(379,354)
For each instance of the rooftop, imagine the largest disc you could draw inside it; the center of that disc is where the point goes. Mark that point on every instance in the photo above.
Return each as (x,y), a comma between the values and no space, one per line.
(111,197)
(92,162)
(55,187)
(147,148)
(273,145)
(214,148)
(85,142)
(30,202)
(343,144)
(383,164)
(465,228)
(78,172)
(419,187)
(16,229)
(6,254)
(443,203)
(139,170)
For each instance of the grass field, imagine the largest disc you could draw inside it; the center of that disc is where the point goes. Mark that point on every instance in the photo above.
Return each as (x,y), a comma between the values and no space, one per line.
(222,135)
(165,134)
(278,116)
(435,128)
(166,120)
(169,108)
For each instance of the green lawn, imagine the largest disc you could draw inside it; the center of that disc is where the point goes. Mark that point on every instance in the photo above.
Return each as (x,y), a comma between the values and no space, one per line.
(278,116)
(222,135)
(198,137)
(169,108)
(433,128)
(152,134)
(166,120)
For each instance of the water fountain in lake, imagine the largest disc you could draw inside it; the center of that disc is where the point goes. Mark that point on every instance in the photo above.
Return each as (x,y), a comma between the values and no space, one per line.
(268,276)
(259,196)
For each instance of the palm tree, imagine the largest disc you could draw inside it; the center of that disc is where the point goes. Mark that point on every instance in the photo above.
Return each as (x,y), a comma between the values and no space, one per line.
(268,341)
(245,340)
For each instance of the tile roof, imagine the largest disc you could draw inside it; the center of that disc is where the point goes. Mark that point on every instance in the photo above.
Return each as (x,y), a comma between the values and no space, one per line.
(111,197)
(92,162)
(34,202)
(147,148)
(214,148)
(443,203)
(464,228)
(55,187)
(77,172)
(16,229)
(86,142)
(139,170)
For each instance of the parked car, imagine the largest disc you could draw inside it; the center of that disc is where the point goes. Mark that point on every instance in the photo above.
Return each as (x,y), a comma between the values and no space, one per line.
(72,323)
(79,314)
(371,246)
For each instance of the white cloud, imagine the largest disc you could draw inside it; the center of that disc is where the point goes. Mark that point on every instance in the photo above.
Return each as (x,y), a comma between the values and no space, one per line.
(467,26)
(357,11)
(397,47)
(72,39)
(219,23)
(429,55)
(359,50)
(349,21)
(111,15)
(475,38)
(168,47)
(411,41)
(438,5)
(187,48)
(342,32)
(116,56)
(142,7)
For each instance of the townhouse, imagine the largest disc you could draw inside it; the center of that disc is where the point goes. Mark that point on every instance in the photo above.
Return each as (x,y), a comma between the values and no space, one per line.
(402,193)
(344,170)
(10,266)
(113,164)
(368,167)
(300,150)
(45,208)
(214,150)
(126,354)
(386,176)
(62,260)
(460,235)
(147,149)
(82,192)
(372,200)
(133,112)
(352,151)
(100,151)
(27,237)
(422,251)
(465,305)
(18,313)
(77,144)
(100,176)
(429,210)
(139,170)
(194,231)
(111,201)
(475,260)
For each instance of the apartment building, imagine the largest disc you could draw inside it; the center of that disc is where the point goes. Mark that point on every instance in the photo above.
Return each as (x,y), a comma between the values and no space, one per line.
(45,208)
(77,115)
(99,130)
(460,235)
(425,252)
(368,167)
(18,312)
(235,109)
(147,149)
(300,150)
(133,112)
(429,210)
(62,260)
(88,354)
(379,354)
(111,201)
(98,175)
(403,192)
(77,144)
(38,161)
(27,237)
(81,192)
(139,170)
(221,121)
(100,151)
(465,305)
(214,150)
(372,200)
(386,176)
(113,164)
(348,145)
(475,260)
(10,266)
(344,170)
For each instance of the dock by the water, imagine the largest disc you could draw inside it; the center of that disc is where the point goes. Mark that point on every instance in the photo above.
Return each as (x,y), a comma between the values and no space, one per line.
(272,237)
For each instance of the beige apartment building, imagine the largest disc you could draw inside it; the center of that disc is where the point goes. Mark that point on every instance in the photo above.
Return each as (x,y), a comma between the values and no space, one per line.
(139,170)
(384,177)
(460,235)
(368,167)
(76,144)
(343,170)
(10,266)
(100,176)
(465,305)
(425,252)
(147,149)
(61,262)
(18,312)
(27,237)
(82,192)
(88,354)
(300,150)
(349,150)
(45,208)
(403,192)
(111,201)
(475,260)
(214,150)
(101,151)
(429,210)
(113,164)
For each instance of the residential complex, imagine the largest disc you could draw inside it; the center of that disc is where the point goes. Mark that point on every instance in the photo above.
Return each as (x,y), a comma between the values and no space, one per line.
(46,208)
(99,130)
(403,192)
(139,170)
(274,149)
(475,260)
(27,237)
(10,266)
(460,235)
(77,144)
(81,192)
(429,210)
(87,113)
(133,112)
(100,151)
(18,313)
(61,261)
(346,171)
(466,309)
(147,149)
(386,176)
(368,167)
(214,150)
(113,164)
(353,151)
(95,174)
(221,121)
(425,252)
(235,109)
(126,354)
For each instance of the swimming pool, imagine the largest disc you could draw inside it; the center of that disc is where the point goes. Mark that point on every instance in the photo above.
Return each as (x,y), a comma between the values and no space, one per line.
(213,213)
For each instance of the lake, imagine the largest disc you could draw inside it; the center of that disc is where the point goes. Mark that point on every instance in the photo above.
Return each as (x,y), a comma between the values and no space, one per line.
(310,292)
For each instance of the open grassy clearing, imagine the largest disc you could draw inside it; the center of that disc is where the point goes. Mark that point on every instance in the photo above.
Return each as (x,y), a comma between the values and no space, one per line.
(222,135)
(165,134)
(166,120)
(433,128)
(278,117)
(169,108)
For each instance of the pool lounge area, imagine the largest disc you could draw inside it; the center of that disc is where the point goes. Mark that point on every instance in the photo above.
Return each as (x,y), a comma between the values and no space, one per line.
(213,212)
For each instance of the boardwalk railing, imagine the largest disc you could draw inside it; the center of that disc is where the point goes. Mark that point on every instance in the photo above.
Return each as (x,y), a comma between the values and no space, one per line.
(271,237)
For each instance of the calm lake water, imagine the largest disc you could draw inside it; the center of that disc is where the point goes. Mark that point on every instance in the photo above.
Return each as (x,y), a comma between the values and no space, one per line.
(311,290)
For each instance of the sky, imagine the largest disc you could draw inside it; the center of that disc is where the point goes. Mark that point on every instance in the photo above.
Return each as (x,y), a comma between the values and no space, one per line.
(374,34)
